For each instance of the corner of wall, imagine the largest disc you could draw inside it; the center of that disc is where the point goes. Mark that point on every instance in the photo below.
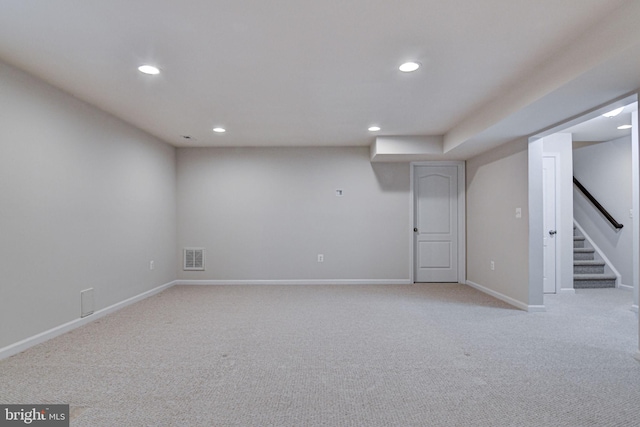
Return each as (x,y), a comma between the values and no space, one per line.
(497,235)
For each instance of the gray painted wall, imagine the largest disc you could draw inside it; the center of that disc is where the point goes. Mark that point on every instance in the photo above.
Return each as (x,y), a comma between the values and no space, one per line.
(265,214)
(497,184)
(86,201)
(605,170)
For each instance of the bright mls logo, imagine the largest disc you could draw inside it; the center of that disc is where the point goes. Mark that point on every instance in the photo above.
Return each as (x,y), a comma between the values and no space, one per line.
(34,415)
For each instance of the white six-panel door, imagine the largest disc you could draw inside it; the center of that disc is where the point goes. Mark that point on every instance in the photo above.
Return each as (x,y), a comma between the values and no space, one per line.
(436,219)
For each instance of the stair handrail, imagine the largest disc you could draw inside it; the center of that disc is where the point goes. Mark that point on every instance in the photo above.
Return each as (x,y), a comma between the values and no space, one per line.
(597,204)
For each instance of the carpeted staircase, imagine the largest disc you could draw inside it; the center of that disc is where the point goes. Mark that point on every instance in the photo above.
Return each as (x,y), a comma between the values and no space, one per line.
(588,272)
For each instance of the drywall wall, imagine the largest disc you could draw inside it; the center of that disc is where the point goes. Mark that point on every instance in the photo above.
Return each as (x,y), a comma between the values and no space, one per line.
(605,170)
(266,214)
(560,145)
(86,201)
(497,184)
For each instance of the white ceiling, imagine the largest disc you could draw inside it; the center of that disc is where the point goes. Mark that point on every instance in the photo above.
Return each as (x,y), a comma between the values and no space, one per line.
(310,73)
(601,129)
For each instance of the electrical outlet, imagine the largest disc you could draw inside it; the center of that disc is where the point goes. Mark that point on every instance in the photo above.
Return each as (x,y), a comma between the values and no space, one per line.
(320,258)
(151,265)
(493,265)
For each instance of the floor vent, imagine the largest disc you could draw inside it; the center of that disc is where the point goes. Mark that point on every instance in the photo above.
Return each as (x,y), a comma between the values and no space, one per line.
(193,259)
(86,302)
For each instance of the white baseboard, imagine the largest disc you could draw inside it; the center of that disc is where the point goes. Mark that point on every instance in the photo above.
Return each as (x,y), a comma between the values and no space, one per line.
(634,307)
(297,282)
(507,299)
(567,291)
(20,346)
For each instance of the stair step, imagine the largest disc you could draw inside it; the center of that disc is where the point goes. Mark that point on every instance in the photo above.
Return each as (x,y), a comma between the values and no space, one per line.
(588,267)
(588,262)
(583,253)
(587,281)
(578,241)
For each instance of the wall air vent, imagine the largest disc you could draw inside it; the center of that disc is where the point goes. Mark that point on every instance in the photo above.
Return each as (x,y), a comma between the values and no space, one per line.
(193,259)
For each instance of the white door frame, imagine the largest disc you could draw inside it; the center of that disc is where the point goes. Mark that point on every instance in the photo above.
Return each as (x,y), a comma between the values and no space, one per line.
(462,250)
(535,152)
(635,197)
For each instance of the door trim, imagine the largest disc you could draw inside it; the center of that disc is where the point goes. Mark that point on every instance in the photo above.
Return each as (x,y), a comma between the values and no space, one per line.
(462,249)
(535,152)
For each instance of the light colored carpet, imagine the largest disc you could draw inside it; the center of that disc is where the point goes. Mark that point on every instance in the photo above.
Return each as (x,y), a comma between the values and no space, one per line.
(419,355)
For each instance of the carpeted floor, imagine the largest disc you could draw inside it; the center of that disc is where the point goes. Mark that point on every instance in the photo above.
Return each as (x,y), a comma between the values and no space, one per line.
(418,355)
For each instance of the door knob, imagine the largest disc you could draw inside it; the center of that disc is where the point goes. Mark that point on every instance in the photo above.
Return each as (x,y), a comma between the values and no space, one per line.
(552,232)
(415,229)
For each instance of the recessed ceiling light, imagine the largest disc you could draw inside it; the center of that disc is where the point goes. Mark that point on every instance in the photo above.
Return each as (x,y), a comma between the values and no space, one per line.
(624,127)
(408,67)
(614,113)
(374,129)
(219,130)
(149,69)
